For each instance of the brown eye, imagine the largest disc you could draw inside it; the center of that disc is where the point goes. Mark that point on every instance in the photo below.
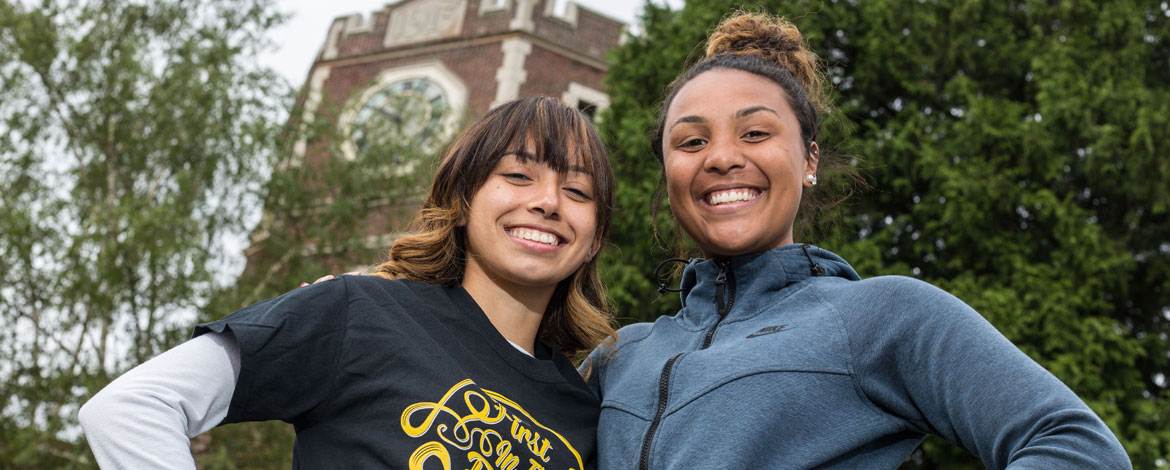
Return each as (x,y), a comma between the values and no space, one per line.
(756,135)
(579,194)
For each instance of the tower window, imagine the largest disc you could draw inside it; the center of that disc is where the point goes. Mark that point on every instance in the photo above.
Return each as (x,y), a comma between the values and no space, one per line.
(588,109)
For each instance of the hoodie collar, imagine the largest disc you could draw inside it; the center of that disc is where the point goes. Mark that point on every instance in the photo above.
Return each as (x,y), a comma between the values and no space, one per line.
(758,276)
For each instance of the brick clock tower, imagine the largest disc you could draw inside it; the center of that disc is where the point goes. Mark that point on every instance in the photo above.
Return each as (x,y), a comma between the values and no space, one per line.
(451,60)
(421,68)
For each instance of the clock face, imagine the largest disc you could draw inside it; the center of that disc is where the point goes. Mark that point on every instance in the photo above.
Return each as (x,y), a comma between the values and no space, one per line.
(404,114)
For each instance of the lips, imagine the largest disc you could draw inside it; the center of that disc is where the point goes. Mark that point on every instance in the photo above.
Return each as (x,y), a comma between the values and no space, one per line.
(535,235)
(731,195)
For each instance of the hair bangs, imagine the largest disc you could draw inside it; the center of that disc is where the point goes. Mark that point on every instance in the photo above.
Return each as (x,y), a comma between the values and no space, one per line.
(542,130)
(559,137)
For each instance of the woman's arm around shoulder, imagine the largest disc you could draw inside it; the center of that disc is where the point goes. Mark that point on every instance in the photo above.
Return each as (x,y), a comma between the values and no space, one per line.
(934,361)
(146,417)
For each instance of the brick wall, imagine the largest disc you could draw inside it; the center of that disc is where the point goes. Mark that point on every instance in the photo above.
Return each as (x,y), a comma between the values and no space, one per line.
(560,71)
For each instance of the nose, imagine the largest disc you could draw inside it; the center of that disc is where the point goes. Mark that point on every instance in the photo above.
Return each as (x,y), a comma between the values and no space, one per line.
(546,198)
(722,157)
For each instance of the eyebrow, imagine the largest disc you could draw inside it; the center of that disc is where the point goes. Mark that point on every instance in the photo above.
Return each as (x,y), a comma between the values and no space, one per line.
(692,119)
(688,119)
(754,109)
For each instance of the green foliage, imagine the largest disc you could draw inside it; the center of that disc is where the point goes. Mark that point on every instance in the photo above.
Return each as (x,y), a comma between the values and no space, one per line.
(325,211)
(133,139)
(1015,151)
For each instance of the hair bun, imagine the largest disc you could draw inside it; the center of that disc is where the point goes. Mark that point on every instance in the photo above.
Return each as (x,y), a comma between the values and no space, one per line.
(774,39)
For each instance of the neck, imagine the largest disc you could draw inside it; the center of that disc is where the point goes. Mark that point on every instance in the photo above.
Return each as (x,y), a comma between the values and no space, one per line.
(515,310)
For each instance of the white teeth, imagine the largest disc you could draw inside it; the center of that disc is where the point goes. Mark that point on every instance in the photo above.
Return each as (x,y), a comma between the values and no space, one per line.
(724,197)
(535,235)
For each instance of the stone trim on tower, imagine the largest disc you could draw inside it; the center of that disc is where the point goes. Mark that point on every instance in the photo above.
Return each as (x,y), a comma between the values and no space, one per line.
(523,19)
(423,20)
(329,51)
(358,23)
(567,14)
(312,101)
(582,97)
(491,6)
(511,73)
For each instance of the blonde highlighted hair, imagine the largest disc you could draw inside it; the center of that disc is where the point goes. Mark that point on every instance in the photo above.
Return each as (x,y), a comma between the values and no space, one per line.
(578,315)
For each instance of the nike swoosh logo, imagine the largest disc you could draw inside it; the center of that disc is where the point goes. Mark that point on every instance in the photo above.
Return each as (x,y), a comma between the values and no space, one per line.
(767,330)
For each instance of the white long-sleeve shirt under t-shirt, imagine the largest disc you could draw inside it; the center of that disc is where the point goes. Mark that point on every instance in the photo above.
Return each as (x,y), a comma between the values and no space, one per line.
(147,417)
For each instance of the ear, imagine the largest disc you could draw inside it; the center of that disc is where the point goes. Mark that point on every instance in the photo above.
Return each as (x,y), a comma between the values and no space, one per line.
(812,159)
(595,248)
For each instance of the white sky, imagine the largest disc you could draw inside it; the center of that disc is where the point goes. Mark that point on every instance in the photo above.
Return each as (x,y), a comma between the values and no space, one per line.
(299,39)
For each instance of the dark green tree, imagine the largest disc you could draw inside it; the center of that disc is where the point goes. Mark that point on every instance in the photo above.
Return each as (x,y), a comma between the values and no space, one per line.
(1015,155)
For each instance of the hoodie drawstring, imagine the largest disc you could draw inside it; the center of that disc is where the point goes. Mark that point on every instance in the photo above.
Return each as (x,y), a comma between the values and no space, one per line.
(658,277)
(816,269)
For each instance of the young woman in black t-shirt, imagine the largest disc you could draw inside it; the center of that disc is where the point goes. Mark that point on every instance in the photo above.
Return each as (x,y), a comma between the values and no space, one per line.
(452,354)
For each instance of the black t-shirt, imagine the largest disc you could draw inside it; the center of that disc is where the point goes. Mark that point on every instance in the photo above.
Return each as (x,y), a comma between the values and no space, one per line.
(375,373)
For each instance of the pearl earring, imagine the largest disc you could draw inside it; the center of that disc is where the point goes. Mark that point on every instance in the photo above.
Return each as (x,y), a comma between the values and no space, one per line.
(812,179)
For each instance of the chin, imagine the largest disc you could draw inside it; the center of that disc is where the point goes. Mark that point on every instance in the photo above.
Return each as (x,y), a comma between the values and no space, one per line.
(735,246)
(716,249)
(537,279)
(729,243)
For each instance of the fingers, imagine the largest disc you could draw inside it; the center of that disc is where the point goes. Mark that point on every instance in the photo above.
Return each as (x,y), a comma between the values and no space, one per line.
(330,276)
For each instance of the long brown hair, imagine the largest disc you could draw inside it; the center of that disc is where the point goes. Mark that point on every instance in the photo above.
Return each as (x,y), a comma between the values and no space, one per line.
(578,315)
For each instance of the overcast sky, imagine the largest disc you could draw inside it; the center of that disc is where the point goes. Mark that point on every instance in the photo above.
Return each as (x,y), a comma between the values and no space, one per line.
(299,39)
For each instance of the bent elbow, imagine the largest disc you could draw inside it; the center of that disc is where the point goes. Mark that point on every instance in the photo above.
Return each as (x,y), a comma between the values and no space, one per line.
(99,415)
(90,414)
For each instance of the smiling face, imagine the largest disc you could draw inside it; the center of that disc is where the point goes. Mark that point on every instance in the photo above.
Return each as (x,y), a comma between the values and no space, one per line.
(530,225)
(735,162)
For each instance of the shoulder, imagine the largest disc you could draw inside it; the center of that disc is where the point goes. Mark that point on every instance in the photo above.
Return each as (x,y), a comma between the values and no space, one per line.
(326,304)
(890,301)
(385,292)
(365,284)
(625,336)
(328,296)
(634,331)
(886,293)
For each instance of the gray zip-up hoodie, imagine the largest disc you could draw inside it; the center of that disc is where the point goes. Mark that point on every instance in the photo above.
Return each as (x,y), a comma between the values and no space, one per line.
(787,359)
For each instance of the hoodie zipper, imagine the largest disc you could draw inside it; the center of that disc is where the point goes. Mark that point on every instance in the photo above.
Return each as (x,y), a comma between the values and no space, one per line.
(663,395)
(724,300)
(724,297)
